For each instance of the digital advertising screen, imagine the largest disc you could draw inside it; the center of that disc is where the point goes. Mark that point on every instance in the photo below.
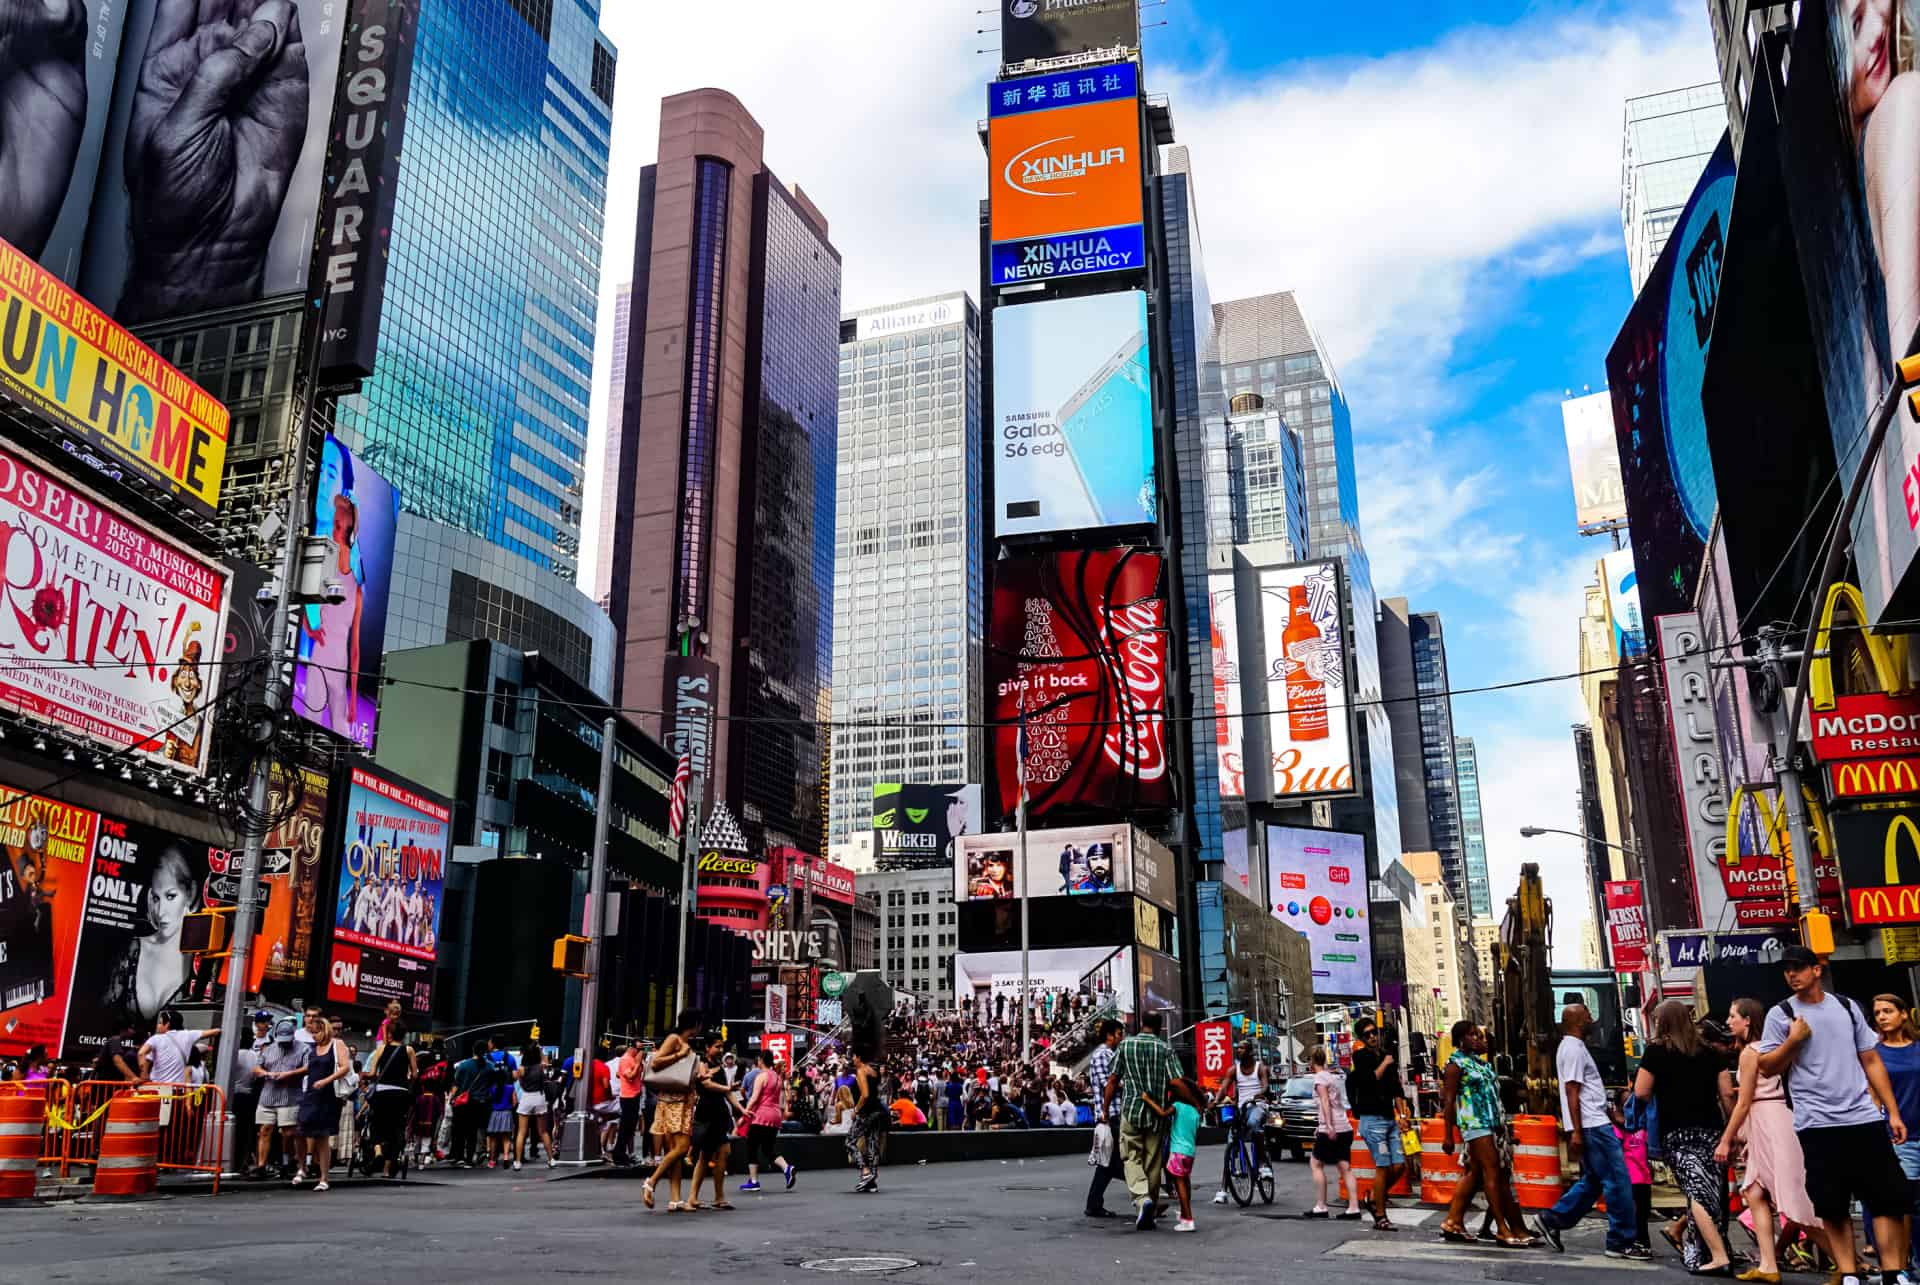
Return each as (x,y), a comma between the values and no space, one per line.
(992,978)
(1623,604)
(1073,406)
(1039,29)
(1066,185)
(336,682)
(1077,654)
(1317,886)
(1229,740)
(918,824)
(1309,694)
(1060,863)
(391,890)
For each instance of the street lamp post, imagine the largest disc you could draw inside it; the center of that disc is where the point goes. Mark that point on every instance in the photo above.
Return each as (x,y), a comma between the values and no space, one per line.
(1646,907)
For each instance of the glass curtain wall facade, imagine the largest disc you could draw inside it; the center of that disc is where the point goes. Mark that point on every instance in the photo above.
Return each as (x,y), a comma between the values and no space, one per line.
(706,322)
(1436,750)
(611,443)
(909,584)
(478,408)
(1473,831)
(1666,142)
(783,676)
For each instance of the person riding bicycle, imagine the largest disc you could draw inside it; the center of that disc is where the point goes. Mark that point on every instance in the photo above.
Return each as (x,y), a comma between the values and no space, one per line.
(1247,1090)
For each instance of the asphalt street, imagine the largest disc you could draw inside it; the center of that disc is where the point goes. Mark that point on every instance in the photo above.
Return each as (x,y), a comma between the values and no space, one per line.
(976,1221)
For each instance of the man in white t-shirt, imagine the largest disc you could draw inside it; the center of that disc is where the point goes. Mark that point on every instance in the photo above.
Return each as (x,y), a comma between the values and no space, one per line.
(1589,1121)
(1829,1065)
(163,1058)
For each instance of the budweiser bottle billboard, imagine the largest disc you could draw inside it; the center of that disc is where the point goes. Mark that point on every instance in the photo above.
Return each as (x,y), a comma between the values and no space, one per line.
(1306,693)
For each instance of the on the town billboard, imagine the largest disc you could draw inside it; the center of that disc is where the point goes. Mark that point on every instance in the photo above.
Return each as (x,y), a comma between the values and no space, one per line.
(210,186)
(1078,655)
(1038,29)
(1317,886)
(66,360)
(1066,184)
(1309,720)
(336,683)
(391,891)
(1073,403)
(107,628)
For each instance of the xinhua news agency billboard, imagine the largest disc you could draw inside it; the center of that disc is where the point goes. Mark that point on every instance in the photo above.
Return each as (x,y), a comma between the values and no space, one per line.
(1073,409)
(1066,185)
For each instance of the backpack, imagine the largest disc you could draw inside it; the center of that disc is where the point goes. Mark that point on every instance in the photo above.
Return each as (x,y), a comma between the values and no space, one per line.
(1786,1006)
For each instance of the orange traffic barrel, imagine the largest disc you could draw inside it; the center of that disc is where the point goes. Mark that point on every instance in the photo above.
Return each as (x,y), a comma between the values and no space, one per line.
(129,1147)
(1537,1183)
(1439,1172)
(1365,1172)
(22,1120)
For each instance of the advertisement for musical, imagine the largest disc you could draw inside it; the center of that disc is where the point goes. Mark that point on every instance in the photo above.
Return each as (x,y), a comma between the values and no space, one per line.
(1879,851)
(1078,655)
(1065,182)
(1317,886)
(1036,29)
(1073,402)
(1309,720)
(108,629)
(386,914)
(916,825)
(65,359)
(1655,370)
(1593,457)
(1626,926)
(48,847)
(1060,863)
(286,921)
(336,682)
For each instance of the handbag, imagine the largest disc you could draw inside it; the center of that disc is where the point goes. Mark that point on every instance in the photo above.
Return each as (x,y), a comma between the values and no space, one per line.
(1102,1153)
(677,1078)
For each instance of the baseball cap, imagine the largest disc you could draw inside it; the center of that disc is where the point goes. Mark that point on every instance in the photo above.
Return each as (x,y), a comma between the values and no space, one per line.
(1797,956)
(262,1015)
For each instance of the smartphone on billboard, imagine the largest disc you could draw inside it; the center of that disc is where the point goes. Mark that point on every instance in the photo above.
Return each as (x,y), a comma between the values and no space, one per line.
(1108,428)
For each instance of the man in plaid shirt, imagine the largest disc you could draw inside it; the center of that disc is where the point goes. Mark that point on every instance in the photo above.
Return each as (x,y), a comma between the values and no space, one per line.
(1142,1067)
(1099,1071)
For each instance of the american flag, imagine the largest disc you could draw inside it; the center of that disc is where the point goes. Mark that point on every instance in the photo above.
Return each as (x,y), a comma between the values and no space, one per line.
(677,797)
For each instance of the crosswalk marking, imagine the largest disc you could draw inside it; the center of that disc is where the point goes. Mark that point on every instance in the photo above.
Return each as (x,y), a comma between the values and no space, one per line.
(1386,1248)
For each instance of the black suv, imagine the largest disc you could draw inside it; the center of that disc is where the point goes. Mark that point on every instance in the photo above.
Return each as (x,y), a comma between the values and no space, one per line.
(1291,1125)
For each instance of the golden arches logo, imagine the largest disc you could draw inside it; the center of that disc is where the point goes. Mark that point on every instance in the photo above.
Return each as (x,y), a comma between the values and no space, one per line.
(1902,824)
(1894,903)
(1888,655)
(1773,823)
(1875,776)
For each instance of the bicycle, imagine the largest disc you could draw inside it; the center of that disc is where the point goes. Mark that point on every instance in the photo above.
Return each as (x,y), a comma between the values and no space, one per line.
(1244,1174)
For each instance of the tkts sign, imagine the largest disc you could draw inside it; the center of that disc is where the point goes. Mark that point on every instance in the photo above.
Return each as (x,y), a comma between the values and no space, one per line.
(1880,865)
(1079,651)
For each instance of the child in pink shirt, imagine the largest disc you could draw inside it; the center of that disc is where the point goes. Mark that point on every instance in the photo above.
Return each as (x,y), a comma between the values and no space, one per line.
(1640,1174)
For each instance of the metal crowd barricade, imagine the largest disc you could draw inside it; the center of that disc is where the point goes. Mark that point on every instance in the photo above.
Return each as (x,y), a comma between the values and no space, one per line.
(192,1126)
(57,1094)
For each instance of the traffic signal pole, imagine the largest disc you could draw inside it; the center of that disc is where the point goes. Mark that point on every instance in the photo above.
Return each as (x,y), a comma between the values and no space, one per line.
(583,1140)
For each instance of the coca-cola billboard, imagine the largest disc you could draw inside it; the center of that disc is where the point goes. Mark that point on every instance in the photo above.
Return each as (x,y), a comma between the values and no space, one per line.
(1079,650)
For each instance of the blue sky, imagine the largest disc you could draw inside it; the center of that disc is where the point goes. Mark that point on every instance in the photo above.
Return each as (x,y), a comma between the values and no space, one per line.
(1438,181)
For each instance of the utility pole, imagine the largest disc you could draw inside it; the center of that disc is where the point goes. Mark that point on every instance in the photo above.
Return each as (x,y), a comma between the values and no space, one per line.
(689,841)
(583,1140)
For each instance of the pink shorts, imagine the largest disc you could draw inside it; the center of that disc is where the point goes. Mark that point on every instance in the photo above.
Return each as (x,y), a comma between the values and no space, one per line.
(1180,1166)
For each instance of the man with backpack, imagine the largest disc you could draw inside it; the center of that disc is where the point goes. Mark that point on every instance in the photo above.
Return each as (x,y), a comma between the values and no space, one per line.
(1824,1052)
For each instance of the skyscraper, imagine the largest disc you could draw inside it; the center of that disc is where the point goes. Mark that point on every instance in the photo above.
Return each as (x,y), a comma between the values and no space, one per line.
(1267,346)
(610,442)
(907,557)
(1473,832)
(477,408)
(1665,145)
(1423,740)
(721,568)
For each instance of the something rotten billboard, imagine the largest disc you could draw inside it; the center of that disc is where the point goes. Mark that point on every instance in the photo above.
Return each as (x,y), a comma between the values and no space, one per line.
(1035,29)
(1654,372)
(107,628)
(210,182)
(386,921)
(1074,408)
(1078,654)
(336,683)
(1066,181)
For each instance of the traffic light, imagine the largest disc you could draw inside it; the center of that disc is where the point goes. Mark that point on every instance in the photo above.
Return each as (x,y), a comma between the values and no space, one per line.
(1816,930)
(207,932)
(570,955)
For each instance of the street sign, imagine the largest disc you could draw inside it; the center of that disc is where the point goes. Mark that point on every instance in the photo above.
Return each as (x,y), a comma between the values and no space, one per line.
(833,985)
(225,890)
(1213,1042)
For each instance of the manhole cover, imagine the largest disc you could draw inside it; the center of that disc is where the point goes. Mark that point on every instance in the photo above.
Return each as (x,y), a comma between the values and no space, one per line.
(870,1263)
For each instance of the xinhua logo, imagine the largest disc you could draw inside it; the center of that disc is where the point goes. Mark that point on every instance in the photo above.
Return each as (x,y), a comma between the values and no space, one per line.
(1057,167)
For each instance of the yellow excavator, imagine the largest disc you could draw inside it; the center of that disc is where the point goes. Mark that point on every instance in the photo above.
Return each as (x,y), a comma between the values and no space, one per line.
(1521,1040)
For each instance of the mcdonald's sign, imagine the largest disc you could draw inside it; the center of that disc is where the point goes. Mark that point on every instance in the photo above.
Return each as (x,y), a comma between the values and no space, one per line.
(1874,778)
(1880,865)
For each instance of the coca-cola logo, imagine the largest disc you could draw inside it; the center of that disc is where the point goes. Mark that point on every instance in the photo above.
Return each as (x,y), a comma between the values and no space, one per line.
(1136,742)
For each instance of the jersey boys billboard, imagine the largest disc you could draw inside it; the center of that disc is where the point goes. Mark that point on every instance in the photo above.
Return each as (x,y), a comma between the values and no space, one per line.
(1073,402)
(1078,655)
(1066,179)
